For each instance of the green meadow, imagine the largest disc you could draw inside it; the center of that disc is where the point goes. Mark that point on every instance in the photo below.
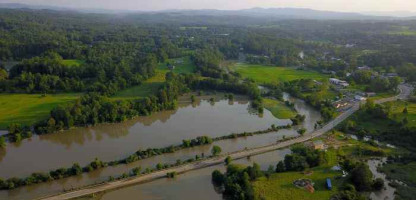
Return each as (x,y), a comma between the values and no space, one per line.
(398,115)
(279,109)
(280,185)
(150,86)
(269,74)
(73,62)
(27,109)
(182,65)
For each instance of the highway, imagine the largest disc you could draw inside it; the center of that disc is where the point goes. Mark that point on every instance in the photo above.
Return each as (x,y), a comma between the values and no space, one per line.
(405,91)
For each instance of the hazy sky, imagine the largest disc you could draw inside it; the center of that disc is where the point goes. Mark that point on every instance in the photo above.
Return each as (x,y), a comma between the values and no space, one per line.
(334,5)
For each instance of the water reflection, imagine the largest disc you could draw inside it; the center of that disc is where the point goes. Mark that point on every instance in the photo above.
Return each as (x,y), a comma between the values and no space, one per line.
(112,141)
(191,185)
(115,141)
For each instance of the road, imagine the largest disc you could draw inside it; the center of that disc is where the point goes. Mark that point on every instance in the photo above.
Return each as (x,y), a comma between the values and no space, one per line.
(404,92)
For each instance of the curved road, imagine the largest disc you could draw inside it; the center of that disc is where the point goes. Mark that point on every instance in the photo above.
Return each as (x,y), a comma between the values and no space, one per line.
(405,91)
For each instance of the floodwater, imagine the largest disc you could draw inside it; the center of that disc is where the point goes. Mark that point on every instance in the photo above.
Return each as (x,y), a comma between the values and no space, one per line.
(192,185)
(115,141)
(388,191)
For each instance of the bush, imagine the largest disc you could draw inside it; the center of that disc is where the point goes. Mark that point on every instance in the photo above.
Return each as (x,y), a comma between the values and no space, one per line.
(378,184)
(217,177)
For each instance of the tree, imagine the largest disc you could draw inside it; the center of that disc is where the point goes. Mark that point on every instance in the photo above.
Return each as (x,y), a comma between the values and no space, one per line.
(269,171)
(378,184)
(76,169)
(302,131)
(3,74)
(280,167)
(217,177)
(216,150)
(228,160)
(136,171)
(361,177)
(2,142)
(15,128)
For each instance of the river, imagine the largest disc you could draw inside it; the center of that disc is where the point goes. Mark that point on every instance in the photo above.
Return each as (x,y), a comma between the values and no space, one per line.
(388,191)
(115,141)
(192,185)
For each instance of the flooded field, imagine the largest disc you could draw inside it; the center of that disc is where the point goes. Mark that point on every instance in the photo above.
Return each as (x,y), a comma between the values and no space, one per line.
(114,141)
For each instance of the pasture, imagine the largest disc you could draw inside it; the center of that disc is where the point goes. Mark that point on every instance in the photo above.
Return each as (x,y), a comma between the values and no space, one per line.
(279,109)
(27,109)
(270,74)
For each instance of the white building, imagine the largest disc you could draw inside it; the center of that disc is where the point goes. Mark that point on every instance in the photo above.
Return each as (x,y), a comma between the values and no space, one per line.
(360,98)
(339,82)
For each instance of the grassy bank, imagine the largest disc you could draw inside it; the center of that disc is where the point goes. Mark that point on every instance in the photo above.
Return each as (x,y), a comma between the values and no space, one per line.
(269,74)
(27,109)
(279,109)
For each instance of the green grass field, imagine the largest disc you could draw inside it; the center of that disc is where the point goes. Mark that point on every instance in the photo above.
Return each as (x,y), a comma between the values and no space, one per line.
(398,115)
(279,109)
(73,62)
(182,65)
(150,86)
(280,185)
(27,109)
(269,74)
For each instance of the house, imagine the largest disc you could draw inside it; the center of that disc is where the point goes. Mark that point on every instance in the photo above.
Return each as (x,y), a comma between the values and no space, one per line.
(328,184)
(318,145)
(339,82)
(390,75)
(365,67)
(359,98)
(341,104)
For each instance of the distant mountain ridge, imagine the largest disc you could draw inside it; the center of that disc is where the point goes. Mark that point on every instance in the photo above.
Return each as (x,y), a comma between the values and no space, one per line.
(278,13)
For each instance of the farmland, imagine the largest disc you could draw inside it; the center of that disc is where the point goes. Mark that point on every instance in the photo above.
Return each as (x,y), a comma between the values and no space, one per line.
(27,109)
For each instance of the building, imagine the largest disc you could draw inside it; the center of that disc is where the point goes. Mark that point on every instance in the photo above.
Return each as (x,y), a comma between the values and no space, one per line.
(340,104)
(339,82)
(359,98)
(318,145)
(365,67)
(390,75)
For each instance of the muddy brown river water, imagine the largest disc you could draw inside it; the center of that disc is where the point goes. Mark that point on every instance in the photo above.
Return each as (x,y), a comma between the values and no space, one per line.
(114,141)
